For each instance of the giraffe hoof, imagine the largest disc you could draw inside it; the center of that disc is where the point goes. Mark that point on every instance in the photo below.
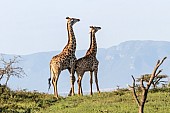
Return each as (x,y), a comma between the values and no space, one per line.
(56,97)
(99,93)
(80,95)
(91,94)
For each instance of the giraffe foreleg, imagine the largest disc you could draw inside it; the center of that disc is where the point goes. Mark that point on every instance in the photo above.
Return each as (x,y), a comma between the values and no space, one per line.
(72,80)
(96,80)
(71,87)
(81,89)
(91,83)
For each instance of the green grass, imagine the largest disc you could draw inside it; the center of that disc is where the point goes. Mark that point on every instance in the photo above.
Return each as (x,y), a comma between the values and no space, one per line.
(158,101)
(111,102)
(23,101)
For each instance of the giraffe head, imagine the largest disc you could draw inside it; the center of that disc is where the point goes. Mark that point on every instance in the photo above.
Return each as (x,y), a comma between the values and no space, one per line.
(94,29)
(72,21)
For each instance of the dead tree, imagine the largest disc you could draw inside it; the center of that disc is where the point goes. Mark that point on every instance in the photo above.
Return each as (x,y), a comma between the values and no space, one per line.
(145,89)
(11,68)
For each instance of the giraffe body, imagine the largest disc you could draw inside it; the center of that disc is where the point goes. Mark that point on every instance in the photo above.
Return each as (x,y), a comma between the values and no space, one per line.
(66,59)
(88,63)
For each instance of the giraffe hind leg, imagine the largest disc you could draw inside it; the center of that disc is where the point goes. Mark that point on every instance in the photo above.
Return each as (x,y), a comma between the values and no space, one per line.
(55,89)
(80,92)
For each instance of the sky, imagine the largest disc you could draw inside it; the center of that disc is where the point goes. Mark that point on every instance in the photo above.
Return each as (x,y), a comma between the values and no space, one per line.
(31,26)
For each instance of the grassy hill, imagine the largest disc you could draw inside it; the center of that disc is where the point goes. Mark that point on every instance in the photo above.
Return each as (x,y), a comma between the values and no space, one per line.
(107,102)
(23,101)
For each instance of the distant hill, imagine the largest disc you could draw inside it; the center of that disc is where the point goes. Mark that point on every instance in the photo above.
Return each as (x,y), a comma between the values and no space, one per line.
(117,64)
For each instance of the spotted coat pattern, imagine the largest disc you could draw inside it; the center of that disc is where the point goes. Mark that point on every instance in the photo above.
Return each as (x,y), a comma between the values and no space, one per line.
(66,59)
(89,62)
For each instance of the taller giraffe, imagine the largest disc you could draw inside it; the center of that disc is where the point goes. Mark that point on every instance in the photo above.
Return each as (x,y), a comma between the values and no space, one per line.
(89,62)
(66,59)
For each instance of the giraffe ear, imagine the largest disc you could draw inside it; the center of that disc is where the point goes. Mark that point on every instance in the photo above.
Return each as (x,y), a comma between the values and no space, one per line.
(67,17)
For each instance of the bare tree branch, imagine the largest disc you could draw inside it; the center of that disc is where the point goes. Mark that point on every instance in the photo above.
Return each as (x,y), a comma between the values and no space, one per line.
(154,74)
(142,84)
(134,91)
(11,68)
(158,72)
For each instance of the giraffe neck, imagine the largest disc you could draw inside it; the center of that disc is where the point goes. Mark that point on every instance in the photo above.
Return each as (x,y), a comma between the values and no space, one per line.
(71,44)
(93,45)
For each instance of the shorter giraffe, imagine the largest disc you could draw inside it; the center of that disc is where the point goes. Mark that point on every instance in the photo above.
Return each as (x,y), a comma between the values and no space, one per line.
(88,63)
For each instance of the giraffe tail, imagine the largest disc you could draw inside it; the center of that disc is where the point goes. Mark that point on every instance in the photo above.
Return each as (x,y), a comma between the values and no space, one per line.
(49,80)
(49,83)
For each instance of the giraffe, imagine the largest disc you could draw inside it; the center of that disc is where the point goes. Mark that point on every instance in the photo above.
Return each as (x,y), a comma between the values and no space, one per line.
(88,63)
(65,60)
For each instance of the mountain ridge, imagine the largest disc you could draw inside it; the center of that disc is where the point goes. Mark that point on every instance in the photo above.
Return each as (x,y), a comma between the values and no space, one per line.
(116,66)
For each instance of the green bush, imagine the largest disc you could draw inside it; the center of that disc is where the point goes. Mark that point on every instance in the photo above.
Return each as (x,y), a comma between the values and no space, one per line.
(159,90)
(23,101)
